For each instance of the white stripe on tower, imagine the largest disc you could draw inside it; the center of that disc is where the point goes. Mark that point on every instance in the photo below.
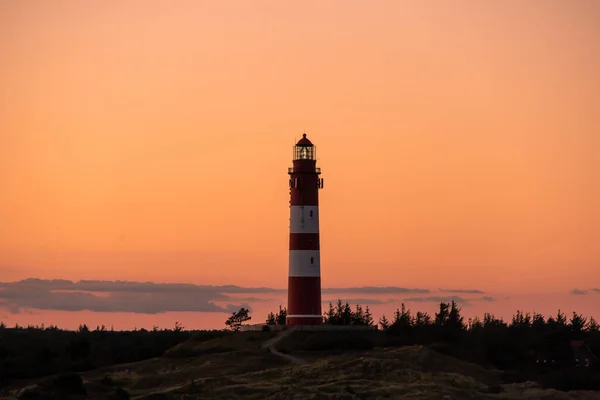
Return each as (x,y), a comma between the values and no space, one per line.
(304,219)
(305,263)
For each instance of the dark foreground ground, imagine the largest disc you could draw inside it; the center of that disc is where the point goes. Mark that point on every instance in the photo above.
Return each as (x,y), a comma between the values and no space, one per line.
(216,365)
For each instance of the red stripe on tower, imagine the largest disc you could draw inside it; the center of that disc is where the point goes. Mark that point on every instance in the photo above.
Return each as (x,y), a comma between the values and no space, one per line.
(304,282)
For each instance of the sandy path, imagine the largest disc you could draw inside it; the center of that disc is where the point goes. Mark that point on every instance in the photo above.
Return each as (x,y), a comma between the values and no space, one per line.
(270,344)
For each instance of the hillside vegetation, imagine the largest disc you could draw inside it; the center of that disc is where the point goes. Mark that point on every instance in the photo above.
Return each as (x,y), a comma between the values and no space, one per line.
(246,372)
(418,356)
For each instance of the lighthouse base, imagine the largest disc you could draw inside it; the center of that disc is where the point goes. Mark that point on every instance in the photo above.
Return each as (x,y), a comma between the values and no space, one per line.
(304,301)
(304,320)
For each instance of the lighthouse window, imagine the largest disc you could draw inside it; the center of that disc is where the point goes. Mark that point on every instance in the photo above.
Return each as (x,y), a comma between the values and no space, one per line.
(310,213)
(312,260)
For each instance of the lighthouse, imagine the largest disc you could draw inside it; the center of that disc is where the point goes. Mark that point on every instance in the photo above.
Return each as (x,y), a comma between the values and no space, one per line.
(304,281)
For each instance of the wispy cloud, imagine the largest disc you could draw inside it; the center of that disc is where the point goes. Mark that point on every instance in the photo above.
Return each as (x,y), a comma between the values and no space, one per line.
(150,297)
(119,296)
(447,299)
(579,291)
(153,298)
(129,286)
(361,301)
(375,290)
(469,291)
(435,299)
(585,291)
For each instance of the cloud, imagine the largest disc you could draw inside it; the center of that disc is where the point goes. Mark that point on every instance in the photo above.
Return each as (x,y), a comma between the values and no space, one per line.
(153,298)
(121,296)
(128,286)
(585,291)
(446,299)
(374,290)
(436,299)
(360,301)
(579,291)
(470,291)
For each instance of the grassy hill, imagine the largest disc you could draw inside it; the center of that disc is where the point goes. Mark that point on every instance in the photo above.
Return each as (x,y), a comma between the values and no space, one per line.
(234,367)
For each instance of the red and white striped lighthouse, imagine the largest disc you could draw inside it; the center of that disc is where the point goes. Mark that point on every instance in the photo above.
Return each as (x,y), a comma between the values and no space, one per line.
(304,282)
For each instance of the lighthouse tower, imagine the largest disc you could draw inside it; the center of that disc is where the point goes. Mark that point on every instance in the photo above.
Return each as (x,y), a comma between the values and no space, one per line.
(304,282)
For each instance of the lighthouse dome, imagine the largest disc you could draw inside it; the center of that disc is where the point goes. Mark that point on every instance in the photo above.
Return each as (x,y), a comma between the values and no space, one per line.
(304,141)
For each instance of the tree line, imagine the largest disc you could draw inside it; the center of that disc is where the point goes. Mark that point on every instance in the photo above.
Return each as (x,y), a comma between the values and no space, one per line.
(559,351)
(35,351)
(448,316)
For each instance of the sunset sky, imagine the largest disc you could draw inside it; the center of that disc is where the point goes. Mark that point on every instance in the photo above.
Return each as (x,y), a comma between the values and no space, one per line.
(148,141)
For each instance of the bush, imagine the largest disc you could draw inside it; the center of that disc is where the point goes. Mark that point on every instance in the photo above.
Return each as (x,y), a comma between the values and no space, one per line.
(120,394)
(69,383)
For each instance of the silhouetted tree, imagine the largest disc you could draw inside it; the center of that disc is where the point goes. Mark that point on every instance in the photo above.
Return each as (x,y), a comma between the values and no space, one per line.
(521,320)
(538,323)
(277,319)
(441,317)
(578,324)
(270,319)
(474,323)
(402,318)
(384,323)
(422,319)
(368,318)
(455,320)
(491,322)
(342,314)
(330,315)
(358,317)
(235,321)
(282,316)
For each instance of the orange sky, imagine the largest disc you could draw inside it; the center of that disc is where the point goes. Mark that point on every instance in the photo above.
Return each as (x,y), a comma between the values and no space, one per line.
(149,141)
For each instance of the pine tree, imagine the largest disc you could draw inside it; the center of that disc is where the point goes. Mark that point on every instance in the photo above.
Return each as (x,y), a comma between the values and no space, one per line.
(339,313)
(538,322)
(592,325)
(441,317)
(402,317)
(384,323)
(330,315)
(358,316)
(368,318)
(490,321)
(347,315)
(455,320)
(475,323)
(422,319)
(270,319)
(578,324)
(521,320)
(282,316)
(561,319)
